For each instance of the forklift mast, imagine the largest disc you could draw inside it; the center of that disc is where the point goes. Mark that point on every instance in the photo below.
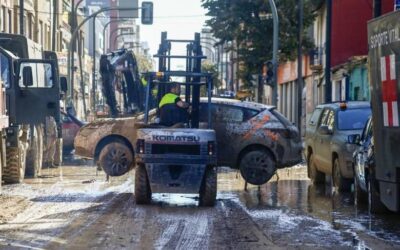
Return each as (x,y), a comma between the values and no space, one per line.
(192,74)
(120,75)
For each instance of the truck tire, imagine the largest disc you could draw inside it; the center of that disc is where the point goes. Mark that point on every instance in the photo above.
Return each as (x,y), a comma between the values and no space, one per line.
(375,205)
(14,171)
(33,155)
(208,189)
(316,176)
(257,167)
(142,185)
(116,159)
(338,181)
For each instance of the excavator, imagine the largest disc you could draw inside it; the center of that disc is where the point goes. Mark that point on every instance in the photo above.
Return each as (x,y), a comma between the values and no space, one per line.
(122,87)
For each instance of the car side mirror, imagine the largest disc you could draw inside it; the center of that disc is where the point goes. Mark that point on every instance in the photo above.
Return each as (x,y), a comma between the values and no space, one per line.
(63,84)
(324,130)
(354,139)
(27,78)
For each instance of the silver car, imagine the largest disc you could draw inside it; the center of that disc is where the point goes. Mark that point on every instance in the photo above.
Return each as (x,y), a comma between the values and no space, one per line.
(327,148)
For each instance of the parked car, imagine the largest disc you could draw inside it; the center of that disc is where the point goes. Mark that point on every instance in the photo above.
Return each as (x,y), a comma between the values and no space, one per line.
(253,137)
(70,128)
(366,187)
(327,148)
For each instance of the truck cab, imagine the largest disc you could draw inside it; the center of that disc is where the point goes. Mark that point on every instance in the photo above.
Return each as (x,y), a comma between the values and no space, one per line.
(32,96)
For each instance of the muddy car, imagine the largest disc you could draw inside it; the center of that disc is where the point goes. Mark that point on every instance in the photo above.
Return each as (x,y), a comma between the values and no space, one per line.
(70,127)
(252,137)
(328,150)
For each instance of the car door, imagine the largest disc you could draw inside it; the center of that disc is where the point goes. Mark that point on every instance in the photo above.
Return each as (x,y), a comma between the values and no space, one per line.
(226,121)
(322,142)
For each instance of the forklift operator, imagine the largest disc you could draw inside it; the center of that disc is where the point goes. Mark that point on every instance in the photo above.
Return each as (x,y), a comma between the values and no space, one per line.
(172,109)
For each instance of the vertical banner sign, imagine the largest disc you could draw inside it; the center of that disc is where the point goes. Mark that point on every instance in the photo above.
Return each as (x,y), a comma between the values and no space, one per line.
(389,91)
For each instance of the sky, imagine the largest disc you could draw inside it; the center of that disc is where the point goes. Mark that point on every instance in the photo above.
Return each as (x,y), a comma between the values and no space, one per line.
(180,18)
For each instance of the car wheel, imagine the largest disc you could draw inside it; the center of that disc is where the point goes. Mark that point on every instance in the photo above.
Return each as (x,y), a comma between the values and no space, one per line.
(142,185)
(339,182)
(116,159)
(257,167)
(359,195)
(314,174)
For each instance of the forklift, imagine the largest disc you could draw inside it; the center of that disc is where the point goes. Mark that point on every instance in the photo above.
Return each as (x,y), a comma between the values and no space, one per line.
(181,158)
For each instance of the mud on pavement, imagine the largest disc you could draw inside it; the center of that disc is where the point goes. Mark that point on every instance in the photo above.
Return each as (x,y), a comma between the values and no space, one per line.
(73,208)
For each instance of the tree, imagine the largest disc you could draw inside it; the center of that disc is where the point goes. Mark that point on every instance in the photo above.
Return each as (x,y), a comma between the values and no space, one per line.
(145,64)
(248,26)
(209,67)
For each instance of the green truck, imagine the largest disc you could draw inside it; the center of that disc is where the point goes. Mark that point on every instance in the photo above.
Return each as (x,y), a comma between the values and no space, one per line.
(384,64)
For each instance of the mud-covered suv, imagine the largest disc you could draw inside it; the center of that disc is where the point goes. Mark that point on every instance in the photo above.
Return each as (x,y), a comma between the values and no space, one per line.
(327,148)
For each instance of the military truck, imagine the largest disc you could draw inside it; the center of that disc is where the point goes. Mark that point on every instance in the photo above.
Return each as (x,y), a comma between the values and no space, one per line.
(384,64)
(32,95)
(3,114)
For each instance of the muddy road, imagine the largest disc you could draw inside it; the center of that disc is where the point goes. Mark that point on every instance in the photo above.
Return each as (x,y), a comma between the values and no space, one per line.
(74,208)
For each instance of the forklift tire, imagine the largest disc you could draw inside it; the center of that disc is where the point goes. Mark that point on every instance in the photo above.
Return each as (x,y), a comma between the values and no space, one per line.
(142,185)
(34,156)
(116,159)
(14,170)
(208,189)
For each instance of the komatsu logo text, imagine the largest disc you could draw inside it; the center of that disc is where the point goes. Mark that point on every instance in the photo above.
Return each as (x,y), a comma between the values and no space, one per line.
(172,138)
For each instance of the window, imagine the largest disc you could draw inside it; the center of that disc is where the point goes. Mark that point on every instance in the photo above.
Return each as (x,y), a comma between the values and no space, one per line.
(41,77)
(3,18)
(314,117)
(225,113)
(353,119)
(324,117)
(330,122)
(367,131)
(10,27)
(5,70)
(40,32)
(281,118)
(328,119)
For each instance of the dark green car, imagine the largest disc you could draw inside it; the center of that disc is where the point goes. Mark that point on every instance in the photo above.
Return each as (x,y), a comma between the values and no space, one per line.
(327,148)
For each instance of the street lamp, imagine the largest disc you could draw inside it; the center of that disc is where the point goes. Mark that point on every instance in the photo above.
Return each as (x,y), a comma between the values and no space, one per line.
(275,45)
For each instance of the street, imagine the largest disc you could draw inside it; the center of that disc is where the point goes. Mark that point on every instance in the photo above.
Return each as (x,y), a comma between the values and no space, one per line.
(73,208)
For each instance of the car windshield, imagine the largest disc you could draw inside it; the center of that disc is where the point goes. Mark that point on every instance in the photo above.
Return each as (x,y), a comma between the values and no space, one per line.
(350,119)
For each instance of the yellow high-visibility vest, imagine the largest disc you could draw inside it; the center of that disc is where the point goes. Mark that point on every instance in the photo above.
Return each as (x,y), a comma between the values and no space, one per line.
(167,99)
